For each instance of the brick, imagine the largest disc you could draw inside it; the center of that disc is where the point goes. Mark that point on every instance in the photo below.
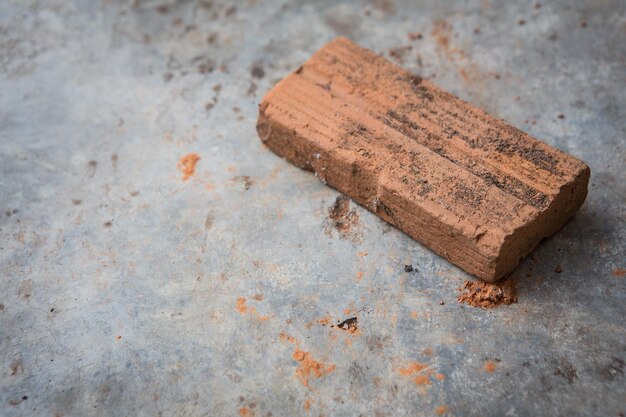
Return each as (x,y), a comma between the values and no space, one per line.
(469,186)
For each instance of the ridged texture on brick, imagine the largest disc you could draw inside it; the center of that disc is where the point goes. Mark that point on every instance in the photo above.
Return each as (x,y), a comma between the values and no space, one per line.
(474,189)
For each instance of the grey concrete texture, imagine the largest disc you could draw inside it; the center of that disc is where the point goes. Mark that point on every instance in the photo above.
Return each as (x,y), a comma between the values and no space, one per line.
(126,291)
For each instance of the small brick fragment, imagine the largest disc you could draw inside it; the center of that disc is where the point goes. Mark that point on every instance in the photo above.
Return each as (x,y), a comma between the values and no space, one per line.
(469,186)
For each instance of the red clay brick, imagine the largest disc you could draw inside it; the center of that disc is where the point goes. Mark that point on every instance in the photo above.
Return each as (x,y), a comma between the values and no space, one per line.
(469,186)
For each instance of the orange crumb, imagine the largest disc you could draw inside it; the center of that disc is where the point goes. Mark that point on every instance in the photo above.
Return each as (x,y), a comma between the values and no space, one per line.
(619,272)
(309,366)
(262,318)
(442,409)
(413,367)
(346,311)
(241,305)
(359,276)
(118,337)
(307,405)
(187,165)
(414,314)
(362,254)
(246,412)
(427,351)
(490,366)
(421,380)
(440,377)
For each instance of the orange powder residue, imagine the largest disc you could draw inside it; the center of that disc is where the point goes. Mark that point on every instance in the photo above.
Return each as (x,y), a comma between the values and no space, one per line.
(246,412)
(309,366)
(619,272)
(420,372)
(324,321)
(187,165)
(242,308)
(359,276)
(413,368)
(241,305)
(307,405)
(362,254)
(441,410)
(421,380)
(489,294)
(414,314)
(490,366)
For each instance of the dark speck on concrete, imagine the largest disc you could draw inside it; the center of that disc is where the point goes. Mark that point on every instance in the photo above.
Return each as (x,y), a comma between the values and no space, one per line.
(107,224)
(408,268)
(92,165)
(257,71)
(212,38)
(11,212)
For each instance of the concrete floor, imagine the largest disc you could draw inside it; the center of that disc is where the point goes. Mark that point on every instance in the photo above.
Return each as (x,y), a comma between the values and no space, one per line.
(122,287)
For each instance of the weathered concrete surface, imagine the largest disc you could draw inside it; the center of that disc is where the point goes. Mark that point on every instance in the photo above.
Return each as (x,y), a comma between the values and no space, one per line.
(121,285)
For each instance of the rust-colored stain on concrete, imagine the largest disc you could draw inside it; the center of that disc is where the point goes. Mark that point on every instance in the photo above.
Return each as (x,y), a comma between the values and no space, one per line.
(490,366)
(619,272)
(187,165)
(241,305)
(324,321)
(413,368)
(309,367)
(441,410)
(421,380)
(420,372)
(246,412)
(242,308)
